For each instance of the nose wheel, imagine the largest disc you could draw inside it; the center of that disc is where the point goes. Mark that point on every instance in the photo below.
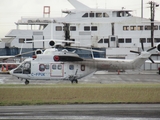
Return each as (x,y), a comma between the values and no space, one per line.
(26,82)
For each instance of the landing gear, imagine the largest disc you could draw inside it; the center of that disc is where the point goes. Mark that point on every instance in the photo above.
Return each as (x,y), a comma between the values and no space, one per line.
(74,81)
(26,82)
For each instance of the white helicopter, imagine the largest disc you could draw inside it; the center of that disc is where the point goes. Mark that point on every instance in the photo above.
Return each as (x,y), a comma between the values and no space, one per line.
(53,64)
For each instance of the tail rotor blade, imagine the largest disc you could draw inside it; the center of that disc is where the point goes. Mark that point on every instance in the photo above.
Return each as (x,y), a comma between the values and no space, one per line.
(135,52)
(151,60)
(151,49)
(142,45)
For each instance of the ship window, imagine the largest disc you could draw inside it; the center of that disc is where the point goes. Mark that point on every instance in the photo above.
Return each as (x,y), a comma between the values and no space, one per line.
(128,40)
(21,40)
(91,14)
(147,27)
(94,28)
(85,15)
(132,27)
(86,28)
(148,40)
(120,14)
(100,41)
(121,40)
(156,27)
(71,67)
(106,40)
(105,15)
(73,28)
(143,40)
(125,28)
(58,28)
(98,14)
(113,39)
(29,40)
(157,40)
(139,27)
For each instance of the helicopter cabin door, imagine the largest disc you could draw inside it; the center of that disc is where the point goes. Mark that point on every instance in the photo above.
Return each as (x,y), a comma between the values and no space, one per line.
(57,70)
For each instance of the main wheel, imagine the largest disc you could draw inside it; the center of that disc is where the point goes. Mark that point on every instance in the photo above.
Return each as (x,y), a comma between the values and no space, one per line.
(26,82)
(74,81)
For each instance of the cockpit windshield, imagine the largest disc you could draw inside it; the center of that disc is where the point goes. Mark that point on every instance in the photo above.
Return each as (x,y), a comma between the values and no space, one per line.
(24,68)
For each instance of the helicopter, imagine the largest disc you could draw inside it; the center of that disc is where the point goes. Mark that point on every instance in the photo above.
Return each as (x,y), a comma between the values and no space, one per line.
(54,64)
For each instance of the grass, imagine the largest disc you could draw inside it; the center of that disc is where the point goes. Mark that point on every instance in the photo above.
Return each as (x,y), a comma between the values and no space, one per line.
(79,94)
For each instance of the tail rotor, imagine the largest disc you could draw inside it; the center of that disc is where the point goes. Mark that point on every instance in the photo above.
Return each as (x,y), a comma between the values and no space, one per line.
(142,46)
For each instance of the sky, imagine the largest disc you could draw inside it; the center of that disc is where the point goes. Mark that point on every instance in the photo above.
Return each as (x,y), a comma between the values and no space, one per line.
(12,10)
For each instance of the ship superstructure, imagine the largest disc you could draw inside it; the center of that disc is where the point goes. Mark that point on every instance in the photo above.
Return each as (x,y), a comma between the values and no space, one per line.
(114,31)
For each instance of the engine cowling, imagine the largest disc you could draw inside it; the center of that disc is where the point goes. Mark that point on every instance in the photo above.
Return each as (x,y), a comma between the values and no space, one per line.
(38,52)
(158,47)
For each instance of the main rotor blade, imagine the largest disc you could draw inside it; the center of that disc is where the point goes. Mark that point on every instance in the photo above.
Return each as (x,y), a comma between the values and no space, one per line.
(151,49)
(151,60)
(135,52)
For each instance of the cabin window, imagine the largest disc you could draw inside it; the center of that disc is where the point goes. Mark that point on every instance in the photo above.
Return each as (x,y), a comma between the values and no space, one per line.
(91,14)
(82,67)
(105,15)
(47,66)
(143,40)
(128,40)
(147,27)
(106,40)
(94,28)
(98,14)
(133,28)
(125,28)
(54,67)
(85,15)
(157,40)
(121,40)
(71,67)
(139,27)
(58,28)
(100,41)
(86,28)
(73,28)
(21,40)
(41,67)
(59,67)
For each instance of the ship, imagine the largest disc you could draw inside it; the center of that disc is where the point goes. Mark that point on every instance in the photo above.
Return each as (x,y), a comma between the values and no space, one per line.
(115,32)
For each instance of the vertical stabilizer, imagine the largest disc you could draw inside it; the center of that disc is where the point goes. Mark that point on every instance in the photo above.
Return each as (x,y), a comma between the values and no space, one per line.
(78,5)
